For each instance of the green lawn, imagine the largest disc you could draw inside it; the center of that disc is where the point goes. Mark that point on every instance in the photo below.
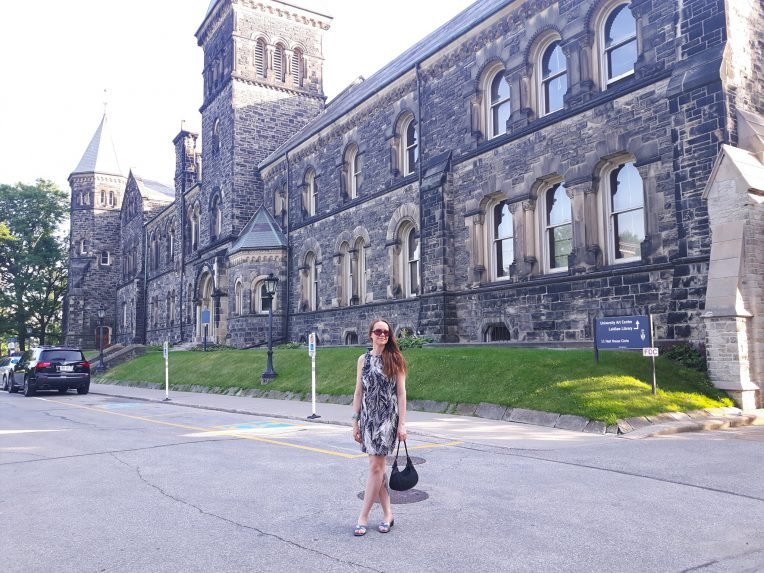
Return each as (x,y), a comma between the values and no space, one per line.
(564,381)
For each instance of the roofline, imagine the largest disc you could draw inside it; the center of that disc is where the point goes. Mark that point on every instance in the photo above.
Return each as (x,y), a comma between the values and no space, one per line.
(273,158)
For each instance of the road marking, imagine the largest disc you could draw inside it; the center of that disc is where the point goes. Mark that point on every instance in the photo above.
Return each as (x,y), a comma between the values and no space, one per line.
(231,434)
(5,432)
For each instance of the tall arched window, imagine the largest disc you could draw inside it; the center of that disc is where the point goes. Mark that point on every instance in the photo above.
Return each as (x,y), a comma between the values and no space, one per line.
(260,58)
(502,240)
(409,242)
(619,44)
(626,213)
(346,275)
(498,103)
(558,228)
(279,62)
(155,250)
(238,299)
(216,218)
(216,136)
(359,276)
(170,244)
(410,146)
(310,282)
(353,171)
(195,215)
(298,67)
(310,196)
(554,78)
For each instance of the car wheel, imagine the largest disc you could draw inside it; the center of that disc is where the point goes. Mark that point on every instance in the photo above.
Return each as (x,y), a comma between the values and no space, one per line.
(28,390)
(11,387)
(5,383)
(83,389)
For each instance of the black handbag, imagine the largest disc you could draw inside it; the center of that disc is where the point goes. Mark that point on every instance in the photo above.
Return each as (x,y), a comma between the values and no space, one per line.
(401,480)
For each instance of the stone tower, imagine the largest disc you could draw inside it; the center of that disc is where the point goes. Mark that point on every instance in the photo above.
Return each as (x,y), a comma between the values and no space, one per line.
(97,185)
(263,81)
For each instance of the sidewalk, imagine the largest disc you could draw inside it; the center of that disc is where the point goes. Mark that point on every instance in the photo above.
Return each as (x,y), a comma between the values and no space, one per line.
(441,426)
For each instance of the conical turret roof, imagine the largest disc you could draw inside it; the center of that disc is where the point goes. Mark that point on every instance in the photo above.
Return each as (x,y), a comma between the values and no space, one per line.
(100,156)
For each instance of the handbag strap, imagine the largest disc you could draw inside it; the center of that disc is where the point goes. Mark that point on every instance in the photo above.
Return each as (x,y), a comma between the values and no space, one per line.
(399,450)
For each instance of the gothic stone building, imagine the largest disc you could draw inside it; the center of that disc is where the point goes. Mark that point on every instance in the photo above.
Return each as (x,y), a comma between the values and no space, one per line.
(528,167)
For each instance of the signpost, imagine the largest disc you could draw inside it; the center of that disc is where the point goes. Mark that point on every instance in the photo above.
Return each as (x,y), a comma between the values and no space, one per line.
(312,352)
(206,323)
(625,333)
(166,352)
(11,345)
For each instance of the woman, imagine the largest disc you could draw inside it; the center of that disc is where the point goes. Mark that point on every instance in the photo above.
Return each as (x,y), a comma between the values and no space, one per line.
(379,416)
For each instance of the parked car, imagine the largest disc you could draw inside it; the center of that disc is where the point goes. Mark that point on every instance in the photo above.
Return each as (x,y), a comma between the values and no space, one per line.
(6,368)
(51,368)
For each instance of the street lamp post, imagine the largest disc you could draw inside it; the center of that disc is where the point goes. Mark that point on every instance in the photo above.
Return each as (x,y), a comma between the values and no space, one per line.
(270,290)
(101,313)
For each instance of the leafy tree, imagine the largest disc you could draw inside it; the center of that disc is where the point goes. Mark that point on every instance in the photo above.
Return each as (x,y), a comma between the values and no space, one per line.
(32,258)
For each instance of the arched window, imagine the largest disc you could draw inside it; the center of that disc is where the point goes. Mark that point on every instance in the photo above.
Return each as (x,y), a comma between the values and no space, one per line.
(351,338)
(310,194)
(310,282)
(353,171)
(170,244)
(172,308)
(496,333)
(502,252)
(558,228)
(345,275)
(626,213)
(102,197)
(83,246)
(195,215)
(155,250)
(279,63)
(359,276)
(498,103)
(410,147)
(112,199)
(260,58)
(619,44)
(298,67)
(216,218)
(554,78)
(238,298)
(216,136)
(408,237)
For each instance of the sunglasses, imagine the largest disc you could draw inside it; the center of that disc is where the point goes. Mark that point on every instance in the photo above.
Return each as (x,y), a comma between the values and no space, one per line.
(380,332)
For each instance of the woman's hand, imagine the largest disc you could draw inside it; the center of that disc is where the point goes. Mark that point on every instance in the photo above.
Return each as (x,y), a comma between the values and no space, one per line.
(356,432)
(402,432)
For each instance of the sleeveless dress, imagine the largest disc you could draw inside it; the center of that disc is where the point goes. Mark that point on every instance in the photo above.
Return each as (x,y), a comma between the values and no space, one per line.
(379,409)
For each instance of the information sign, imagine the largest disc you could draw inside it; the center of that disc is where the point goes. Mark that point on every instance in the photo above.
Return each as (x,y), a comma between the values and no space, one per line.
(622,333)
(205,316)
(312,344)
(649,352)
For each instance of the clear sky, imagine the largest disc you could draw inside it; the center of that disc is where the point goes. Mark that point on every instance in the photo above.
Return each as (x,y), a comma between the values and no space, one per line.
(58,56)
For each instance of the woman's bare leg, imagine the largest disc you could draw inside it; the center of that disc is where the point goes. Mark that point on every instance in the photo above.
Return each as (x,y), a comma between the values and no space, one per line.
(373,482)
(384,501)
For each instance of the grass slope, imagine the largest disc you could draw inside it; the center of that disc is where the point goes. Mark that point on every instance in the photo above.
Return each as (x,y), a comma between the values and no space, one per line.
(564,381)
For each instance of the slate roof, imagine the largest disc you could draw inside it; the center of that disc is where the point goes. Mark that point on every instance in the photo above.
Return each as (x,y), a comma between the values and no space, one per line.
(100,155)
(356,94)
(262,232)
(154,190)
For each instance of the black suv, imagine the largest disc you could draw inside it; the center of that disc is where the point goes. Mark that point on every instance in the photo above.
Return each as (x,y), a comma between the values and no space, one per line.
(51,368)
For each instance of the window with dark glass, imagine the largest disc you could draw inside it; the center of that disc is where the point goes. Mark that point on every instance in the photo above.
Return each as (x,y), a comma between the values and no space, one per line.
(554,78)
(411,151)
(412,243)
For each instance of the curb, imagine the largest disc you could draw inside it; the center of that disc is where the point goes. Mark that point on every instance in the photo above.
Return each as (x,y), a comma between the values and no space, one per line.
(631,428)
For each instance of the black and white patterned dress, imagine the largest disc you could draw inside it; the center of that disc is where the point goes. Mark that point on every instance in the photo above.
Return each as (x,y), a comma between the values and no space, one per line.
(379,409)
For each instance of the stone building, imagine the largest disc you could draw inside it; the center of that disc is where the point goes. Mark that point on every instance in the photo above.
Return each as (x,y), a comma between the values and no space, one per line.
(524,169)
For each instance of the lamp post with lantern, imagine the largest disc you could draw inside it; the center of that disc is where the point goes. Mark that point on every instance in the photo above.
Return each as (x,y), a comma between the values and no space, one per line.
(101,314)
(270,290)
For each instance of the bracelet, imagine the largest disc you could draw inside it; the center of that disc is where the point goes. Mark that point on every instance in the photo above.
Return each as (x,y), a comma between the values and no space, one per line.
(355,416)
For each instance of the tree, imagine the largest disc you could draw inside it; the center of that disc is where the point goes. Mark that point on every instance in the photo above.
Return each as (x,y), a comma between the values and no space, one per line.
(32,258)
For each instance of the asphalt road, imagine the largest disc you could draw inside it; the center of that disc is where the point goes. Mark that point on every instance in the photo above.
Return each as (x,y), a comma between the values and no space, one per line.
(96,484)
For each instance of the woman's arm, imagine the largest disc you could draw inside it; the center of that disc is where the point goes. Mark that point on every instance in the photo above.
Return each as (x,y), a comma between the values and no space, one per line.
(357,399)
(401,392)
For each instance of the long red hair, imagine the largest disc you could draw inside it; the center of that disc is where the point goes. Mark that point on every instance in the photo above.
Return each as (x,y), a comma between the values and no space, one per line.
(393,362)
